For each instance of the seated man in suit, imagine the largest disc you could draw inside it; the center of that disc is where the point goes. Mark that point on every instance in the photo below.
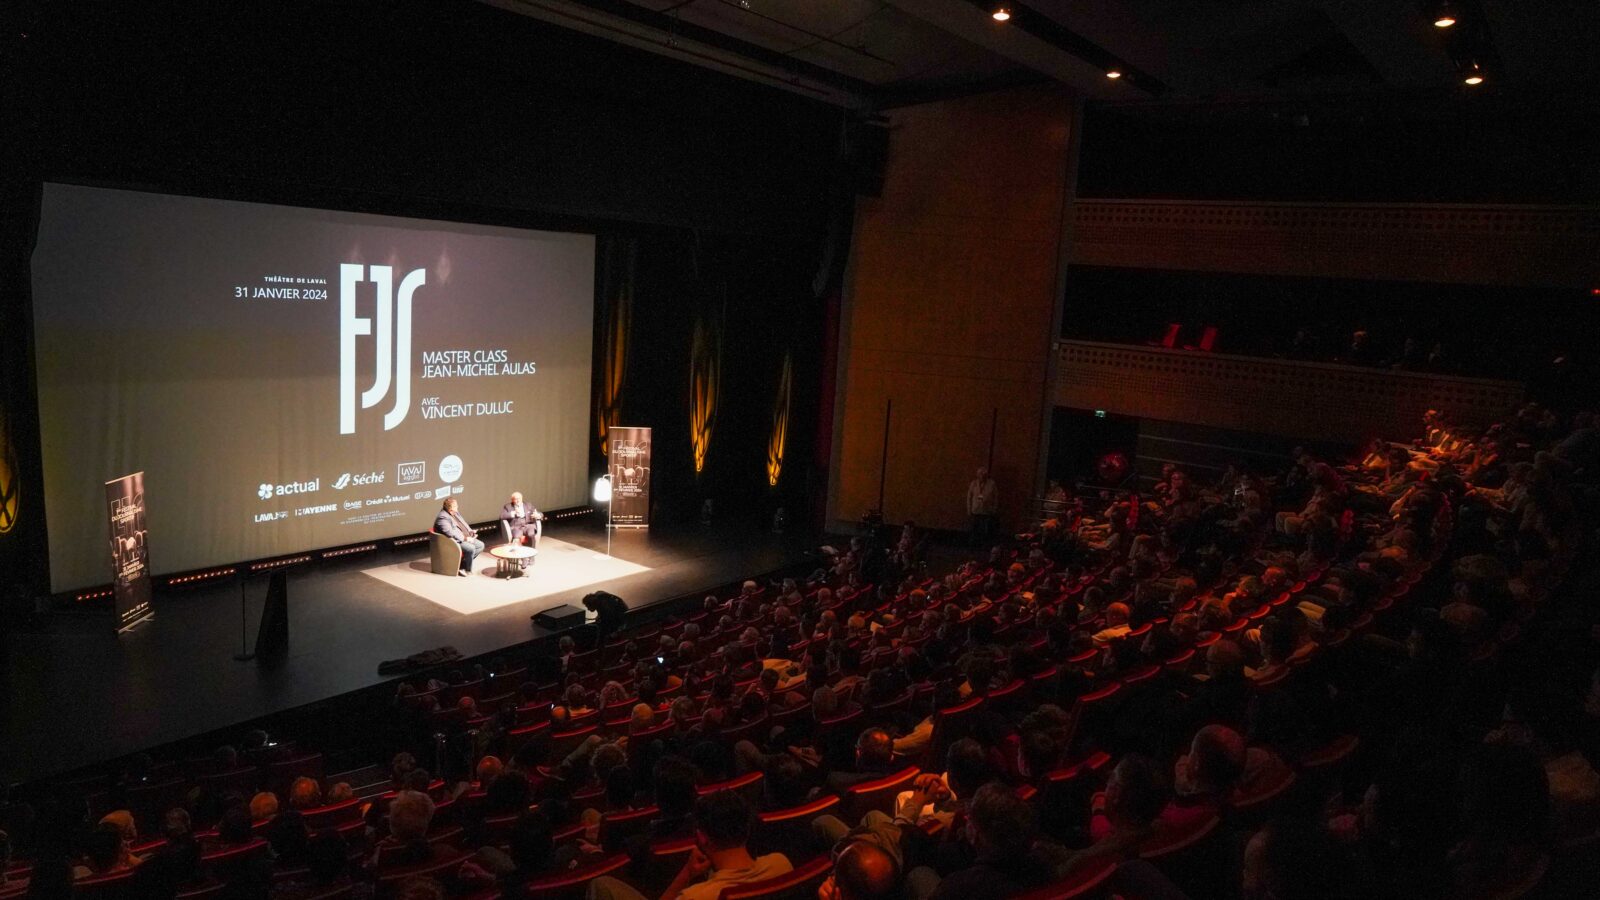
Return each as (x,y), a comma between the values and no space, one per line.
(450,524)
(525,523)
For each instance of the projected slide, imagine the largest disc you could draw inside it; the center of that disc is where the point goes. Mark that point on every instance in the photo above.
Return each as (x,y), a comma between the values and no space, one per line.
(290,379)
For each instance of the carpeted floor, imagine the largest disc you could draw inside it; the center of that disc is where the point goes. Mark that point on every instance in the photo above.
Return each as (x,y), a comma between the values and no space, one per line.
(559,567)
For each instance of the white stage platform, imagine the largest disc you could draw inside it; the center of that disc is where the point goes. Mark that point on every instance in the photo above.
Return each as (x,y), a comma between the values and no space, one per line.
(560,567)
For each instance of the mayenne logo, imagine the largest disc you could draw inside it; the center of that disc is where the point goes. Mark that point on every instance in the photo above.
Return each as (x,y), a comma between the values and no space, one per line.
(393,342)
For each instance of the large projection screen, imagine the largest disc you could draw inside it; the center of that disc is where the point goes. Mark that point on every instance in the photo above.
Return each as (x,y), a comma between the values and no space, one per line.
(291,379)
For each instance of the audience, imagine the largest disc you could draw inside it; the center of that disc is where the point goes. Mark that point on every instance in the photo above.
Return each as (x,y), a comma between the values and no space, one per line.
(1322,660)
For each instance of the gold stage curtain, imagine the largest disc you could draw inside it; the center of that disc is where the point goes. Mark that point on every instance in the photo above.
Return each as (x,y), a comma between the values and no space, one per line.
(10,478)
(780,420)
(705,387)
(620,257)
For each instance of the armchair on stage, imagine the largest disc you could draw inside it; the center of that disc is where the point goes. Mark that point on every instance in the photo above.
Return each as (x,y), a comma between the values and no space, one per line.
(444,552)
(518,564)
(538,531)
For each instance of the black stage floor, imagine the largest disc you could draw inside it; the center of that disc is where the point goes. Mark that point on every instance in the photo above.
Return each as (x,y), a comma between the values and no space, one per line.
(79,694)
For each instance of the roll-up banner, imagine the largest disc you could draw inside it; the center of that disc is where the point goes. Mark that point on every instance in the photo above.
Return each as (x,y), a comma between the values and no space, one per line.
(130,561)
(630,477)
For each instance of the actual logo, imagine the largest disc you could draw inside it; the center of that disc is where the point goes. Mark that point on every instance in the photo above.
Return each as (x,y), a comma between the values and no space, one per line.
(267,491)
(393,341)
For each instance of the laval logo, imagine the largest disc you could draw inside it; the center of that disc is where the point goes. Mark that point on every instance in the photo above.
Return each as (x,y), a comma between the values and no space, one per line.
(393,341)
(411,472)
(267,491)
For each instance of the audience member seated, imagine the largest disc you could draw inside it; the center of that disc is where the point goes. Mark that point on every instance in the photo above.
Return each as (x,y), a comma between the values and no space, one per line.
(410,816)
(1007,863)
(722,824)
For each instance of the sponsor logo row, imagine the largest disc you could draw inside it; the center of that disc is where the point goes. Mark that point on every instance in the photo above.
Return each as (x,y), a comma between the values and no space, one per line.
(431,495)
(406,473)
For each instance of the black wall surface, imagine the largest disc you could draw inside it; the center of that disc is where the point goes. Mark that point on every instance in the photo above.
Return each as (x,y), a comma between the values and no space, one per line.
(451,110)
(1498,146)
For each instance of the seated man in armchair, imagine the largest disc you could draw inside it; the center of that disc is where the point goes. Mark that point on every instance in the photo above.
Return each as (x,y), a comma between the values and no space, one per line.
(524,524)
(451,524)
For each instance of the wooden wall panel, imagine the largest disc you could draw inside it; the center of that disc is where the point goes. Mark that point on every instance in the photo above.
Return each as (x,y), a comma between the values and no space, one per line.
(1314,401)
(950,300)
(1452,244)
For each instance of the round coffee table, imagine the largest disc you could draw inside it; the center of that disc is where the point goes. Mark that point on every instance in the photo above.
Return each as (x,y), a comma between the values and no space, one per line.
(511,560)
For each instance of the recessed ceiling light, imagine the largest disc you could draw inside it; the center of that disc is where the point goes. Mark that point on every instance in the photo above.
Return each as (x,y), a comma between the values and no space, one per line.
(1113,73)
(1001,12)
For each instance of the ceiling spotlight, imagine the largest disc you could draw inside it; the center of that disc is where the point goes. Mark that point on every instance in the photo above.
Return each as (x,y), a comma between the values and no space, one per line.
(1113,74)
(1473,74)
(1444,15)
(1001,12)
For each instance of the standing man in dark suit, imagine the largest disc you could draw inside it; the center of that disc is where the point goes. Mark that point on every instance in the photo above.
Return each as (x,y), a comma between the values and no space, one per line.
(450,524)
(522,521)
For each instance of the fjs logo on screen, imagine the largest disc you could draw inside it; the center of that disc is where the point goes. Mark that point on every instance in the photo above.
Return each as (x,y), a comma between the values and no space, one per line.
(393,342)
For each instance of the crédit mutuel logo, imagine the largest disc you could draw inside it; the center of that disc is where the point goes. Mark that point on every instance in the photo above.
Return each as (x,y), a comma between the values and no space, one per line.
(393,341)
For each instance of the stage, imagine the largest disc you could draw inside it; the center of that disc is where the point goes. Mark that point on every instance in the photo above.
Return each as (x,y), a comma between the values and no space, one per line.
(79,694)
(558,568)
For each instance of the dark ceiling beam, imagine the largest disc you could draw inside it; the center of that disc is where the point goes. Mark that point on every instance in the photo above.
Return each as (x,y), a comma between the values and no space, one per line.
(1047,29)
(891,98)
(667,35)
(675,26)
(1043,50)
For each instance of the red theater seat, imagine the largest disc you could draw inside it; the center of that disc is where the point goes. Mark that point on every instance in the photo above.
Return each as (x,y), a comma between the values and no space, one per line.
(748,786)
(572,885)
(799,884)
(877,794)
(1085,881)
(617,827)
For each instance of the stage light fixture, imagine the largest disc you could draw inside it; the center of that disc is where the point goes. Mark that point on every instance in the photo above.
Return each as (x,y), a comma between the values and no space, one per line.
(602,494)
(1000,12)
(1444,15)
(1113,74)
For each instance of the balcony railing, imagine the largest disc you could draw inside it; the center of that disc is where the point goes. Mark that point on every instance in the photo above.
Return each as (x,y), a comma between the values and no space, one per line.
(1309,400)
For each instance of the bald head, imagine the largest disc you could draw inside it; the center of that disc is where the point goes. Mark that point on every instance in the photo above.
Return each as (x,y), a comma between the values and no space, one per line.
(874,748)
(865,872)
